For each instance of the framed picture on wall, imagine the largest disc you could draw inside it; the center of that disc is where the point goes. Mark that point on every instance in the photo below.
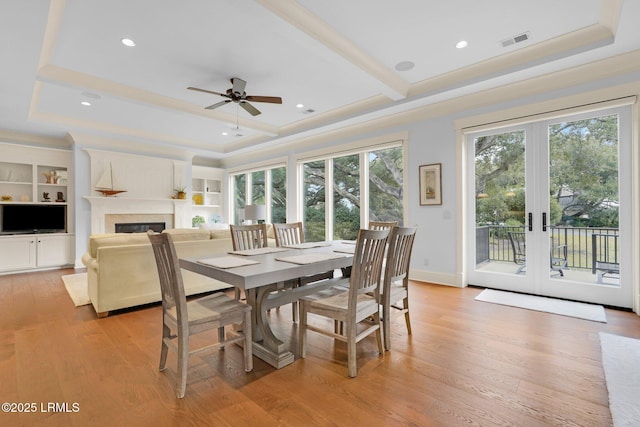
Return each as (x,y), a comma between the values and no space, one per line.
(431,184)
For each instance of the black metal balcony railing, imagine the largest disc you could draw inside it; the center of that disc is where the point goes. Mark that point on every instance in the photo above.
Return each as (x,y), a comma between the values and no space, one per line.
(492,244)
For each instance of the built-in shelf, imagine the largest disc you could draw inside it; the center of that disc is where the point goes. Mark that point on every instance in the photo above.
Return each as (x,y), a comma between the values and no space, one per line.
(206,193)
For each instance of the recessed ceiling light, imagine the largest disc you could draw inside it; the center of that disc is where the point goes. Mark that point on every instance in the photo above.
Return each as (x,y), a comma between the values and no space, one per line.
(128,42)
(405,65)
(300,105)
(86,103)
(225,133)
(462,44)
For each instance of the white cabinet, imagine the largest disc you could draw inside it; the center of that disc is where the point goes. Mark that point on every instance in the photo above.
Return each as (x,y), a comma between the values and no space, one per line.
(35,177)
(17,252)
(206,193)
(54,250)
(25,252)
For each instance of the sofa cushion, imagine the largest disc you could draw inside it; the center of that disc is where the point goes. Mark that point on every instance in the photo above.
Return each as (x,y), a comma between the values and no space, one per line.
(97,241)
(220,234)
(187,234)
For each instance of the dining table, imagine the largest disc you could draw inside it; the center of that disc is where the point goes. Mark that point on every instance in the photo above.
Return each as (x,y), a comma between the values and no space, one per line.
(265,275)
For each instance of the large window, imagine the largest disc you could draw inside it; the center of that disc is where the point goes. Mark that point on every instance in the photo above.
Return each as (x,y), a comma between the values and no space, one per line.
(314,200)
(261,187)
(365,186)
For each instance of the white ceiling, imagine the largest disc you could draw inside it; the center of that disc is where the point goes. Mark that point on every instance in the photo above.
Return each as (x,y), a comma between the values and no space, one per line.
(337,57)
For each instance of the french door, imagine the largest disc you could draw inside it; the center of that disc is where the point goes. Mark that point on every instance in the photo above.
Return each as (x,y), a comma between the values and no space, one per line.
(549,207)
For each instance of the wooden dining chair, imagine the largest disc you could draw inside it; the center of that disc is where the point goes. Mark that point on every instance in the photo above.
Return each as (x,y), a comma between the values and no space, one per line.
(373,225)
(382,225)
(244,237)
(395,286)
(355,306)
(292,234)
(182,318)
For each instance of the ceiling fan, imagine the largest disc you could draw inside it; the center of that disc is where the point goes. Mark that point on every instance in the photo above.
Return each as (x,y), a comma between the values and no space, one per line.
(239,96)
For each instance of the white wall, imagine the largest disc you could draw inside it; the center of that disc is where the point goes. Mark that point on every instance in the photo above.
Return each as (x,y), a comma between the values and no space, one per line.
(432,139)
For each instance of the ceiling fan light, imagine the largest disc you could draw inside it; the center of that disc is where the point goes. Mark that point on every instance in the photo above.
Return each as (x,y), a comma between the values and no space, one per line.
(128,42)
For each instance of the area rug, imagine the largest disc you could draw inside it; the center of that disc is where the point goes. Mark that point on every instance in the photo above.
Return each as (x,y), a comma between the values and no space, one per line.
(76,286)
(548,305)
(620,356)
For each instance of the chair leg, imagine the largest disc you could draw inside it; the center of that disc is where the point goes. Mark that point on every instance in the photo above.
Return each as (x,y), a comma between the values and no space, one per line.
(302,331)
(406,315)
(166,332)
(183,359)
(248,343)
(376,319)
(294,311)
(351,350)
(221,336)
(386,325)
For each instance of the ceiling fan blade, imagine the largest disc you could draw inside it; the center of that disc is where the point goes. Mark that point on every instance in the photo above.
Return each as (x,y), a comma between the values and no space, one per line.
(250,108)
(238,85)
(218,104)
(271,99)
(207,91)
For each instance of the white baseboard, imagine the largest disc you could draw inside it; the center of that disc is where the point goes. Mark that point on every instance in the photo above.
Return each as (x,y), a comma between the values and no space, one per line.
(434,277)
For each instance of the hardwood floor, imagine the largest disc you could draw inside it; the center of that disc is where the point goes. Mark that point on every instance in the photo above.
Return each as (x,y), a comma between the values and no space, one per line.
(467,363)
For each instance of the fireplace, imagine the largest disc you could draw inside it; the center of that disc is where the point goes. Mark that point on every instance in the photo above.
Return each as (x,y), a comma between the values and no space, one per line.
(139,227)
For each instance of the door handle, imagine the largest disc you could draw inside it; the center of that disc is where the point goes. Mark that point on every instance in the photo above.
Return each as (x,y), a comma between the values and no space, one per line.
(530,221)
(544,221)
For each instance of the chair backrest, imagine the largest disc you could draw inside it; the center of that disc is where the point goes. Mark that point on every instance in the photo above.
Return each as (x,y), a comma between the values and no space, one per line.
(398,256)
(288,234)
(382,225)
(366,271)
(252,236)
(170,275)
(518,244)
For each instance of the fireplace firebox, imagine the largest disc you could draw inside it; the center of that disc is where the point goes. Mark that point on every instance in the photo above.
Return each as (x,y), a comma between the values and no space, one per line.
(139,227)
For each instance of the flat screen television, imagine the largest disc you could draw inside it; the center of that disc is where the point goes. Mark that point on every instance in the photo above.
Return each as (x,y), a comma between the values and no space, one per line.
(33,218)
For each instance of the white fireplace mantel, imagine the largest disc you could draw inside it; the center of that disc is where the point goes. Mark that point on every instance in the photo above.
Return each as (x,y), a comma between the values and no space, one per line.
(102,206)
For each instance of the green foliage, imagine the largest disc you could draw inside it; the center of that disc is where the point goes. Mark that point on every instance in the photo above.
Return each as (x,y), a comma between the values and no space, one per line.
(583,174)
(385,192)
(197,220)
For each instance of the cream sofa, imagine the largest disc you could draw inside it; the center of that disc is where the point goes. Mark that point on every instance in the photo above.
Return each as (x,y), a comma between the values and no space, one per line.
(121,267)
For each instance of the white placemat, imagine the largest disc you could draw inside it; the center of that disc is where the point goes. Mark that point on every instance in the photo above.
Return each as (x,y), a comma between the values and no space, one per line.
(307,245)
(257,251)
(345,250)
(309,258)
(227,262)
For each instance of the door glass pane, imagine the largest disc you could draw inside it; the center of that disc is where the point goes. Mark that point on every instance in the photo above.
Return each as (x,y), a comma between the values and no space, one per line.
(346,197)
(584,200)
(500,202)
(386,185)
(314,201)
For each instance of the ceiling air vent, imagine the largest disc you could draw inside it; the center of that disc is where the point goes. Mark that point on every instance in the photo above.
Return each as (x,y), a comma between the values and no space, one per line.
(515,39)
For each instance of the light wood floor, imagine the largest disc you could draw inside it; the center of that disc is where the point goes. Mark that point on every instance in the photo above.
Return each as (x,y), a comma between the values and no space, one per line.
(467,363)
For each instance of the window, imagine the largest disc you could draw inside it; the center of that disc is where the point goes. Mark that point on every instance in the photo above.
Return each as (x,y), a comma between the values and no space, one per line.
(365,186)
(261,187)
